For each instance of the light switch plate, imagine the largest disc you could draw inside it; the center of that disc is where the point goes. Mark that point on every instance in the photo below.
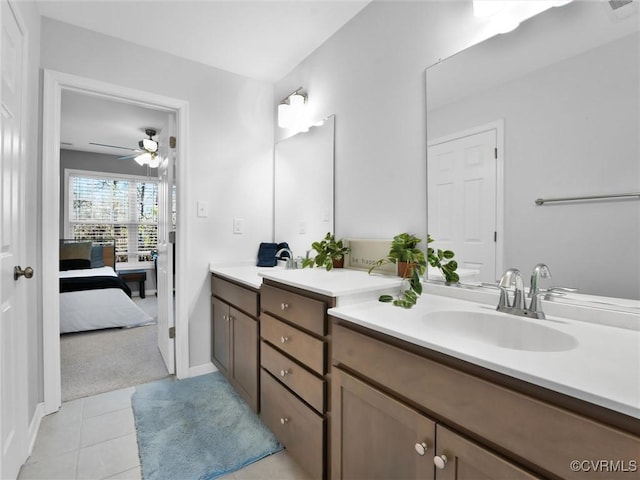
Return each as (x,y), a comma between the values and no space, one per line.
(203,209)
(238,226)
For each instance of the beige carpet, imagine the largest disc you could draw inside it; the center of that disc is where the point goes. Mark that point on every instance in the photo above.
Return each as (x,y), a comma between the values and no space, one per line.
(105,360)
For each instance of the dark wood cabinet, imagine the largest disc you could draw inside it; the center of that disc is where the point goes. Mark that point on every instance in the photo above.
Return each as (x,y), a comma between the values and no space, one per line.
(376,437)
(460,459)
(488,425)
(235,339)
(294,374)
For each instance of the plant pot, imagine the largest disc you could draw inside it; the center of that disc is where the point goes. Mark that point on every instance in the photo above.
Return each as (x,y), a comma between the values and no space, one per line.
(405,269)
(338,263)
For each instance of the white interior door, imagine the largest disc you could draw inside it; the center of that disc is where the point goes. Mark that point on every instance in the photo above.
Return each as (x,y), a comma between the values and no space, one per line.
(13,340)
(164,273)
(461,204)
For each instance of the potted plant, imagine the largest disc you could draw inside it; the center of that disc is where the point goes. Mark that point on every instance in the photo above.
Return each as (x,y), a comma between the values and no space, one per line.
(329,253)
(443,260)
(411,262)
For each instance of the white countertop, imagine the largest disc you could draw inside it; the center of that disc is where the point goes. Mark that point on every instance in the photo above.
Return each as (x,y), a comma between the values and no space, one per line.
(248,275)
(347,285)
(602,368)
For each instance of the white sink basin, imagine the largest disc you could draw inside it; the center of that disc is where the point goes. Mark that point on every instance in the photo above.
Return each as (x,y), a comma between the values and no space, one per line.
(500,330)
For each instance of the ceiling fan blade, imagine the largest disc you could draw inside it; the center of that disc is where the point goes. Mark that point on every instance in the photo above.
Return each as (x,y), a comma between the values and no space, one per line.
(111,146)
(127,157)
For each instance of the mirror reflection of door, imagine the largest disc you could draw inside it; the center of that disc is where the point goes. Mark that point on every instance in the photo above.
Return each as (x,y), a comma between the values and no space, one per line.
(461,186)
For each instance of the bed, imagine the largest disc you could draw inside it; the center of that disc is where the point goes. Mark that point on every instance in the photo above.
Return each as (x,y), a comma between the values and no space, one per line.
(92,296)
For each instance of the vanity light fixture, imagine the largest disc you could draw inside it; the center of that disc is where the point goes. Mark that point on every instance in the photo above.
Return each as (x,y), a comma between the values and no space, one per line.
(291,110)
(507,15)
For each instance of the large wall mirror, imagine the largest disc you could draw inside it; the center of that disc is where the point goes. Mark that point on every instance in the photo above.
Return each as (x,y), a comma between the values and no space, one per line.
(559,100)
(304,187)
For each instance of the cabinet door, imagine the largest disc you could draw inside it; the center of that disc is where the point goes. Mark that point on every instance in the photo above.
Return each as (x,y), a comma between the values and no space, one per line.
(460,459)
(244,339)
(221,335)
(376,437)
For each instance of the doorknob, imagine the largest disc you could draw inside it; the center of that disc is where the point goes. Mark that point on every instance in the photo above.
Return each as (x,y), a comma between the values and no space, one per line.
(18,272)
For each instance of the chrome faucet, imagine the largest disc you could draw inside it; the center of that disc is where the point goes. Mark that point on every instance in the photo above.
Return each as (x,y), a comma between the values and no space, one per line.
(519,307)
(535,308)
(291,263)
(511,277)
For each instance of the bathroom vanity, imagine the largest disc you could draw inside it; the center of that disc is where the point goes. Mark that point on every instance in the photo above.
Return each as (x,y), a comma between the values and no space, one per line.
(432,402)
(235,303)
(449,389)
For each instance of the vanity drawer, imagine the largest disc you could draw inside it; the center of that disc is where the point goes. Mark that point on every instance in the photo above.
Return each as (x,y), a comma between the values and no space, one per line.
(298,309)
(302,346)
(535,432)
(298,427)
(240,297)
(304,383)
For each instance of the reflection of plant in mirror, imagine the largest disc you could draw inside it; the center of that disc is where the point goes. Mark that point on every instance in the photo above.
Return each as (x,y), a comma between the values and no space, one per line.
(328,251)
(404,251)
(443,260)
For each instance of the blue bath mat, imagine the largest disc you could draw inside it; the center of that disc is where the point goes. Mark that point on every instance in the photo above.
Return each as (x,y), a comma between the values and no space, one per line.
(197,428)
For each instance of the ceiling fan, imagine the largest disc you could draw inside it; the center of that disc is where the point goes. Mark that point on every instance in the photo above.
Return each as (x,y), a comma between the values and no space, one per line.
(147,154)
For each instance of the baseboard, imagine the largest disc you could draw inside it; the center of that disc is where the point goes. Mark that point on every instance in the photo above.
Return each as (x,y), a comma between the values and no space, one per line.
(34,426)
(202,369)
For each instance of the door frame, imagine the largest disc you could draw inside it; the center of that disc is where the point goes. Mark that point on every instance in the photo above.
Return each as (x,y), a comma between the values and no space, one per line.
(498,126)
(54,83)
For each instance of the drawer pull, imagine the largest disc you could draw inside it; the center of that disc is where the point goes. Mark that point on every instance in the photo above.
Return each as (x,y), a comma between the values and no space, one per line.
(284,306)
(440,461)
(284,339)
(284,420)
(284,373)
(421,448)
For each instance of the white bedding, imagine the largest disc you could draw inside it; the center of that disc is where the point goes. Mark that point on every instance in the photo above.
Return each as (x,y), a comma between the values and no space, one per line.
(89,272)
(97,309)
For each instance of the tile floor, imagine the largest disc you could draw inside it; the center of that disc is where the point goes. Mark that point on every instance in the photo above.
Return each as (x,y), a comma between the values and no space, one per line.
(95,438)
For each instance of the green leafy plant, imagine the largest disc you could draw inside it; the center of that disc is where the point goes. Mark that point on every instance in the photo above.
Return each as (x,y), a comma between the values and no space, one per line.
(327,250)
(443,260)
(412,263)
(404,252)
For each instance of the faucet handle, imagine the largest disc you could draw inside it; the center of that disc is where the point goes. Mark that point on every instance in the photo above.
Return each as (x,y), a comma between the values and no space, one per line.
(552,292)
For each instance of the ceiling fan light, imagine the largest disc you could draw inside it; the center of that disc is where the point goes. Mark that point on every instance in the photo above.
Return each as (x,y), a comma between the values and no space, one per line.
(149,145)
(143,158)
(154,161)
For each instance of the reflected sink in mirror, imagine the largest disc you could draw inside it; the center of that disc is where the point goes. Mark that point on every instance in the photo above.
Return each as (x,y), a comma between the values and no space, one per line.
(500,330)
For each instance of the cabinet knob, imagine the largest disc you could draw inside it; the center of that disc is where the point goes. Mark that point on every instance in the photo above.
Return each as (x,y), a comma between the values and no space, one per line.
(284,306)
(284,420)
(284,373)
(224,317)
(421,448)
(440,461)
(284,339)
(229,318)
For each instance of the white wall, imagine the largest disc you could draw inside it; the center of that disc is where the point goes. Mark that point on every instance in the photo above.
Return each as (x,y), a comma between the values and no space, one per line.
(230,150)
(371,75)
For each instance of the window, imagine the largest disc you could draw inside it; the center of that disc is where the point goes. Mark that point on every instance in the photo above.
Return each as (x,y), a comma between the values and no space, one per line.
(108,207)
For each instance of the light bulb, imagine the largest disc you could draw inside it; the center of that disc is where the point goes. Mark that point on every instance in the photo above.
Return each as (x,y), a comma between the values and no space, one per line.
(284,115)
(487,8)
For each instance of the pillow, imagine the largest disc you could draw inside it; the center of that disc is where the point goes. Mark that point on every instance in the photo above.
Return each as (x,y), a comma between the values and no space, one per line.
(96,256)
(70,251)
(74,264)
